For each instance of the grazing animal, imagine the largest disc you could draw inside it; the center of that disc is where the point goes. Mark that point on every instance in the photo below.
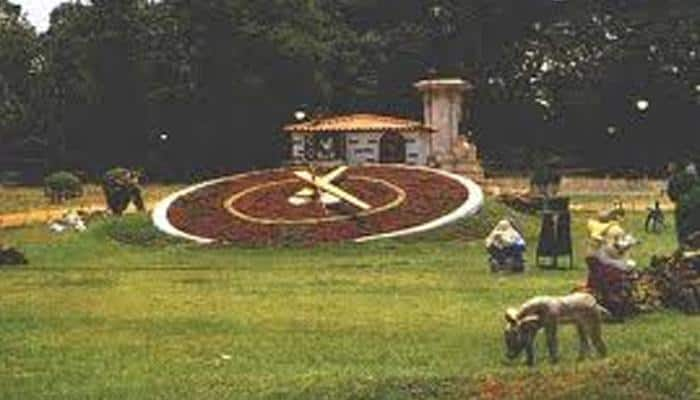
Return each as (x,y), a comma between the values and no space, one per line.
(547,312)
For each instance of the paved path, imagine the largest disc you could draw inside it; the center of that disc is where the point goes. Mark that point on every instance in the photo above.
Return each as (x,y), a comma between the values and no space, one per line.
(43,216)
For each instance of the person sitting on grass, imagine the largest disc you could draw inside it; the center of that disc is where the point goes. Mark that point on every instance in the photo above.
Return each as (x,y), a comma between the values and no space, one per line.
(611,274)
(506,246)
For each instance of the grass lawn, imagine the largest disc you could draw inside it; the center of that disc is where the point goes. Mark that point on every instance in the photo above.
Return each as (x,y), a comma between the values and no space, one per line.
(94,318)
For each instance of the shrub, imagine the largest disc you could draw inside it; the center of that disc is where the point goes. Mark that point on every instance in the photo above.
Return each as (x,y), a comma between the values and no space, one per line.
(688,213)
(679,184)
(121,187)
(61,186)
(137,230)
(545,180)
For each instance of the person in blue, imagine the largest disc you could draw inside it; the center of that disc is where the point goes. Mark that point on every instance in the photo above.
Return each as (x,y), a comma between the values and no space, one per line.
(506,247)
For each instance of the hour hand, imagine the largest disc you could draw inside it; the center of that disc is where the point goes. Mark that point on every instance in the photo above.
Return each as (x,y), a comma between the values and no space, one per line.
(332,189)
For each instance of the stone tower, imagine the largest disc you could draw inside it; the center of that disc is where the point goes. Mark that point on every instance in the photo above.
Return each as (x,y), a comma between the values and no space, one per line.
(443,108)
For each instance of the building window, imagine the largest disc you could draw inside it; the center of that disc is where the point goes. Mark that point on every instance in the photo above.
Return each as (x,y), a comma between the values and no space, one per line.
(364,150)
(325,147)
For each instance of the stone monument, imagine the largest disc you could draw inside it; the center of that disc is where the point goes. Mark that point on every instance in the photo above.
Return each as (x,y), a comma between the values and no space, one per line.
(443,110)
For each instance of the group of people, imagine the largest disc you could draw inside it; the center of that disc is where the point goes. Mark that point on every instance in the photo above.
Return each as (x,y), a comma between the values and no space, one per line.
(611,272)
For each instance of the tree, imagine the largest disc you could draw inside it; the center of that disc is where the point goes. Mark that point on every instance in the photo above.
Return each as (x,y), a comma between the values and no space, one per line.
(18,62)
(585,73)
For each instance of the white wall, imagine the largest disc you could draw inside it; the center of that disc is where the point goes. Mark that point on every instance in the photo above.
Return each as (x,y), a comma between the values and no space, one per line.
(417,148)
(297,147)
(362,148)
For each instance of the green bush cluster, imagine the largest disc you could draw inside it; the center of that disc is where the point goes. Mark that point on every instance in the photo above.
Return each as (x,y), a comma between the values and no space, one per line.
(688,213)
(137,230)
(680,184)
(61,186)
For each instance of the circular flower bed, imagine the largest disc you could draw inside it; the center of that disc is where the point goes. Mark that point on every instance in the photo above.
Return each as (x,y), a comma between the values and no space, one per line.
(254,208)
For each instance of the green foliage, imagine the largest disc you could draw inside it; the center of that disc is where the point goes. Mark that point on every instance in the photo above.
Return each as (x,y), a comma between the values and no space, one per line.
(680,184)
(574,81)
(545,179)
(545,174)
(118,177)
(137,230)
(19,54)
(110,76)
(62,185)
(688,213)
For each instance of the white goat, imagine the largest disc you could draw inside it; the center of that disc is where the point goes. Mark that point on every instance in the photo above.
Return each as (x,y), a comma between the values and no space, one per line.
(547,312)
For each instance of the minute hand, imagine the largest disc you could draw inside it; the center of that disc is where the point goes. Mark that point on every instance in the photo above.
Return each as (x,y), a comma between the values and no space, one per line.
(332,189)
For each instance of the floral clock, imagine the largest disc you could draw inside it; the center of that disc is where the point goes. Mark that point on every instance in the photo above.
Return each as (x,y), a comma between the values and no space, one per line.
(306,206)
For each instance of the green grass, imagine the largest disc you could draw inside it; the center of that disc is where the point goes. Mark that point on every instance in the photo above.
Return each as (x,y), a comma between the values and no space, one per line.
(93,317)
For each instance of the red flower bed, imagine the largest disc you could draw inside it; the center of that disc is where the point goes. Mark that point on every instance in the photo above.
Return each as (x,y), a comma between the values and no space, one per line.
(203,213)
(271,202)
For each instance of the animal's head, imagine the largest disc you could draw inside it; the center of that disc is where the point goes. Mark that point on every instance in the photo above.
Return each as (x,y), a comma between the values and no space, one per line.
(518,333)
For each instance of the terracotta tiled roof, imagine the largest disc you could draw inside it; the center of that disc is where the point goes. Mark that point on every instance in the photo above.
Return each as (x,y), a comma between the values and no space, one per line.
(359,123)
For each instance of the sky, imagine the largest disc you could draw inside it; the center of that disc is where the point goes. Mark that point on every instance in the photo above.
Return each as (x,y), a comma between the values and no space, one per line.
(38,11)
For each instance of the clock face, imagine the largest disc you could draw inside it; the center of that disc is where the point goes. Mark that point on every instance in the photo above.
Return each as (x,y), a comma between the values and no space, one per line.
(311,206)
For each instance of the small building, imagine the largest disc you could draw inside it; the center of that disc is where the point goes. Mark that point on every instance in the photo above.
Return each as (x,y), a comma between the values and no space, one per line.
(370,138)
(361,138)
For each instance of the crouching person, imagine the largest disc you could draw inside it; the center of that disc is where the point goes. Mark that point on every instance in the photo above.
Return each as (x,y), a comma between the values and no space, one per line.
(580,309)
(506,248)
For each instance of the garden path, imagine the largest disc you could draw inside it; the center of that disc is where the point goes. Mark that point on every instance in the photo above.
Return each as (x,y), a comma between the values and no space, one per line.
(44,215)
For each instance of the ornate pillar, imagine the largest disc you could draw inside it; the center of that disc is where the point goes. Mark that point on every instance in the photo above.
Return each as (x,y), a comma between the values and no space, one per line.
(443,100)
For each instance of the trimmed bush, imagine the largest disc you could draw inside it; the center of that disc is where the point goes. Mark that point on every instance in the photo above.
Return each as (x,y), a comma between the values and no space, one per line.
(61,186)
(121,187)
(688,213)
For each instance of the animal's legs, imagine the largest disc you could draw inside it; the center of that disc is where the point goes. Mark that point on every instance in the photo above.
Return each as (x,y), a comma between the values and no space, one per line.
(597,338)
(552,344)
(584,348)
(530,353)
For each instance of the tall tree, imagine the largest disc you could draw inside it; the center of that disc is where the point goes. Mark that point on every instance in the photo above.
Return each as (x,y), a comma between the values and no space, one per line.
(19,57)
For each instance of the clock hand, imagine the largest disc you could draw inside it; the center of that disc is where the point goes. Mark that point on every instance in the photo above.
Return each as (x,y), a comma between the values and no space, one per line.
(328,178)
(332,189)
